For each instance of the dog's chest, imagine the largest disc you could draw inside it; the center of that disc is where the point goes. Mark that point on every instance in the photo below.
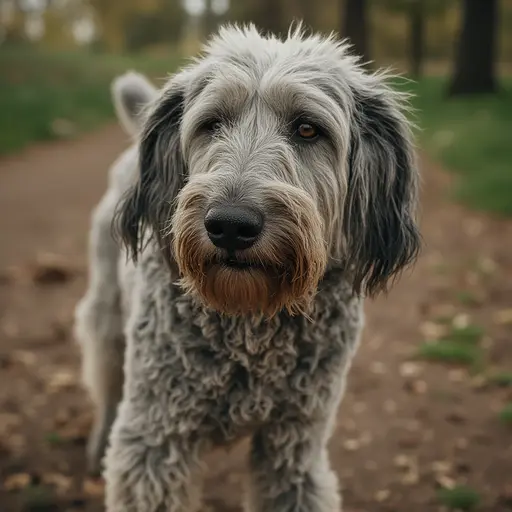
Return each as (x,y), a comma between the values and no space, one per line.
(247,373)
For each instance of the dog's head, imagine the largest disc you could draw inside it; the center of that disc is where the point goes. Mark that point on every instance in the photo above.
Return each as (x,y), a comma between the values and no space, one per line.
(266,162)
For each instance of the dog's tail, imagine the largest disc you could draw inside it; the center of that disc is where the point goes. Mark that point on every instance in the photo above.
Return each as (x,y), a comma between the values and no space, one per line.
(131,93)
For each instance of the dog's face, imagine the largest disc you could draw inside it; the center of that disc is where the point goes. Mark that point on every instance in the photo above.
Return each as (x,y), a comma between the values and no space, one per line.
(268,161)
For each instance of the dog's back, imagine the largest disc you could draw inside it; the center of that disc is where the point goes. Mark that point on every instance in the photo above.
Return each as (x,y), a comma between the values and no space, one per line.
(100,315)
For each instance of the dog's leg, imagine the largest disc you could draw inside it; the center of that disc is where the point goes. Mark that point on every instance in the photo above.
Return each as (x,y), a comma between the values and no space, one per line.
(153,460)
(99,329)
(149,473)
(290,470)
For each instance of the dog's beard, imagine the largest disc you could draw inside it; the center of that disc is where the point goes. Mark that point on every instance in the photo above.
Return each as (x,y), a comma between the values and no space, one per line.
(280,273)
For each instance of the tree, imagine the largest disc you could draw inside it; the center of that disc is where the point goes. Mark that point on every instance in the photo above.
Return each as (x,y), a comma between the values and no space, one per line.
(267,15)
(474,71)
(416,36)
(417,12)
(354,25)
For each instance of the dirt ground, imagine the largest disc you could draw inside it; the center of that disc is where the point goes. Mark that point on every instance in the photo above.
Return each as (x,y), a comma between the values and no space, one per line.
(406,427)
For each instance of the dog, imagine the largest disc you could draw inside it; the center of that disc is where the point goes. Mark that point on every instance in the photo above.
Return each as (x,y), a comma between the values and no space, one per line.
(271,186)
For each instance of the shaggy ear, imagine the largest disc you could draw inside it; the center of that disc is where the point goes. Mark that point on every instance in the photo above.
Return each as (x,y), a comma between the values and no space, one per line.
(379,218)
(147,207)
(131,94)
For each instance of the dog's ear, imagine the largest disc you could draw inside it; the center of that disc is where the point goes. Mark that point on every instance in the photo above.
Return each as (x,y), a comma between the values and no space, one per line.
(131,93)
(379,215)
(147,207)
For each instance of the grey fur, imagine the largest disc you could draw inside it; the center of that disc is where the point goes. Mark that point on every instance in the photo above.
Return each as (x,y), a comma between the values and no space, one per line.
(195,378)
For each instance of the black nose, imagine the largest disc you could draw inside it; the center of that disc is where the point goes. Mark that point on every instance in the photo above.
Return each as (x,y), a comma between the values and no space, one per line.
(233,228)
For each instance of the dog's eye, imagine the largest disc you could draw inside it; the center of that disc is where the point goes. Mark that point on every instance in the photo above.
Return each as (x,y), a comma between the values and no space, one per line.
(307,131)
(212,126)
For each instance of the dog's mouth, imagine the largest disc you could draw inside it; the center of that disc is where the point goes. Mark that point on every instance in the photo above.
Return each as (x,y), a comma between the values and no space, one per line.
(236,263)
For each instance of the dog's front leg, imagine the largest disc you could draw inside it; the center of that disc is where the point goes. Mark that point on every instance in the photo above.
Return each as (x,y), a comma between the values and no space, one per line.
(290,470)
(147,471)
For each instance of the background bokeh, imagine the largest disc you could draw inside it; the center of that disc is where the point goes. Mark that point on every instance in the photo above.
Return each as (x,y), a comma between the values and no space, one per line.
(427,421)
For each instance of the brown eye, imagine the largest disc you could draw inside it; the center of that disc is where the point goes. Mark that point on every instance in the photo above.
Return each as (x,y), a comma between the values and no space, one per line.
(307,131)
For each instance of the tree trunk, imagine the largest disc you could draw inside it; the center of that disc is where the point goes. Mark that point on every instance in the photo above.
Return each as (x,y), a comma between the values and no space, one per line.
(475,59)
(355,26)
(416,37)
(269,16)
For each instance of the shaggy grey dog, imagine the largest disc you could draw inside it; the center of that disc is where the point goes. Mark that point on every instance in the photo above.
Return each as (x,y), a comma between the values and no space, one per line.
(273,185)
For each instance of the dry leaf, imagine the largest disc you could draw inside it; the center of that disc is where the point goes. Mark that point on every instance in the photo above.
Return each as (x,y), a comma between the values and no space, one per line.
(411,477)
(410,369)
(64,379)
(446,482)
(403,461)
(351,445)
(17,481)
(94,487)
(441,467)
(382,495)
(503,317)
(432,330)
(62,483)
(24,357)
(457,375)
(460,321)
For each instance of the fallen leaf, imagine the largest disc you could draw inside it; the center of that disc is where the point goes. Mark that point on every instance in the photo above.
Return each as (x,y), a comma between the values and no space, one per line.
(382,495)
(351,445)
(17,481)
(410,369)
(441,467)
(62,483)
(503,317)
(433,331)
(63,379)
(460,321)
(93,487)
(446,482)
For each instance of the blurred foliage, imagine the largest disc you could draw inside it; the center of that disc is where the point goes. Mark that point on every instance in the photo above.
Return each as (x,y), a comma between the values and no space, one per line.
(471,136)
(46,95)
(129,25)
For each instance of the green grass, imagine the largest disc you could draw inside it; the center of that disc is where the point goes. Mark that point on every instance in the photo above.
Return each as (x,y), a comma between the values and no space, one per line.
(459,346)
(446,351)
(459,498)
(38,87)
(470,334)
(471,136)
(506,414)
(467,298)
(53,438)
(502,379)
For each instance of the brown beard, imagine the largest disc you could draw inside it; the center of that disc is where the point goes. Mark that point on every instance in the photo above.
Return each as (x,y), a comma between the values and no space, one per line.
(281,273)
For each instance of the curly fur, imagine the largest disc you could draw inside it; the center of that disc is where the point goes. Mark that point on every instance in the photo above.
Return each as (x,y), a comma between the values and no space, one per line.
(214,354)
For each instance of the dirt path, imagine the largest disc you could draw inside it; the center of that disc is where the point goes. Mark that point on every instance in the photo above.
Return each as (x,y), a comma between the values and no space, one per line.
(406,427)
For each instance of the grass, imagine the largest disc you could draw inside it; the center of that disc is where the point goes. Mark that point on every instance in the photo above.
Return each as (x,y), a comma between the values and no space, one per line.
(449,352)
(459,346)
(53,438)
(506,414)
(470,136)
(41,90)
(502,379)
(459,498)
